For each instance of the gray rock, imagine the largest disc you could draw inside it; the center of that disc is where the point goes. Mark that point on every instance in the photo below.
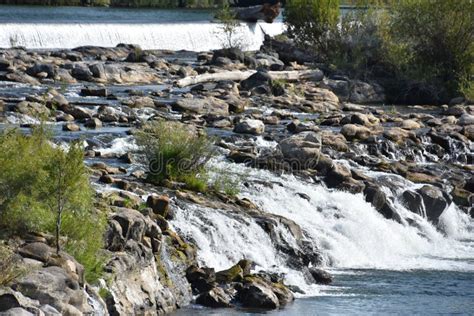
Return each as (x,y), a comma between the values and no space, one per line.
(53,286)
(466,119)
(31,108)
(250,126)
(363,92)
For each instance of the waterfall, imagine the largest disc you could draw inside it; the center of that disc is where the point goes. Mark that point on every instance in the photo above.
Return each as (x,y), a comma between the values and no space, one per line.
(349,232)
(192,36)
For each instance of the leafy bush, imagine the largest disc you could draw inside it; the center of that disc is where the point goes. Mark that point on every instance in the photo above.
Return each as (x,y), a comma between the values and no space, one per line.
(412,46)
(175,152)
(45,188)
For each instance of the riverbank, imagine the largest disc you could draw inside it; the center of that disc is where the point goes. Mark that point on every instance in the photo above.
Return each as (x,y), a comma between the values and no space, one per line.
(328,178)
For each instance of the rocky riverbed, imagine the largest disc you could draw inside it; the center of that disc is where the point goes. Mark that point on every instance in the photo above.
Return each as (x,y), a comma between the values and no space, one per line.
(326,130)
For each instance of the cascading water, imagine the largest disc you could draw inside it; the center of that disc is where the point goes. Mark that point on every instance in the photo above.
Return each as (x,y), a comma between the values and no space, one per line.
(190,36)
(348,231)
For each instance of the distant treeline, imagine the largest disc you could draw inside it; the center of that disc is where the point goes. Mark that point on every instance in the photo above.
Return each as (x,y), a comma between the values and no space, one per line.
(121,3)
(151,3)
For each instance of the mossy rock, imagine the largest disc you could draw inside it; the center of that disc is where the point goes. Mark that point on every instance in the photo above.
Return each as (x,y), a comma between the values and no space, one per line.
(233,274)
(462,197)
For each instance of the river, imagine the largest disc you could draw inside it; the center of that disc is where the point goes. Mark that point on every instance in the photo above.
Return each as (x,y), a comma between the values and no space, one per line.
(380,266)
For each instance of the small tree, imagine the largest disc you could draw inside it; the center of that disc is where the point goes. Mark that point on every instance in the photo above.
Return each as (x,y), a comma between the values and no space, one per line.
(230,28)
(66,185)
(45,188)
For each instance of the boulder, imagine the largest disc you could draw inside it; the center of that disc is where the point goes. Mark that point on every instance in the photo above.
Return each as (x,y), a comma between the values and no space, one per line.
(410,124)
(260,78)
(53,286)
(31,108)
(42,68)
(257,294)
(336,175)
(78,112)
(374,195)
(233,274)
(397,134)
(81,72)
(201,279)
(216,298)
(159,204)
(468,131)
(71,127)
(466,119)
(93,123)
(209,105)
(261,292)
(97,70)
(435,200)
(302,150)
(128,224)
(231,53)
(250,126)
(414,202)
(320,276)
(296,126)
(94,92)
(363,92)
(4,64)
(355,132)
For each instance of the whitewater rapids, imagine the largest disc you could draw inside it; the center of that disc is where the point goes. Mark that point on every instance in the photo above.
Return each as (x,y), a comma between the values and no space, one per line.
(349,232)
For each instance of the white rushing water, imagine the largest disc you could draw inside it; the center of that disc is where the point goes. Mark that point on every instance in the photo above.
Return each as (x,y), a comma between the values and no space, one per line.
(350,233)
(173,36)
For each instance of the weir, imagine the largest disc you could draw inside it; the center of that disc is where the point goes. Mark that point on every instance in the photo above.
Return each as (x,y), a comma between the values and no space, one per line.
(192,36)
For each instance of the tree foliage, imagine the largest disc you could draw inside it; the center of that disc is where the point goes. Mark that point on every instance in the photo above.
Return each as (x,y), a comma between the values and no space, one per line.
(45,188)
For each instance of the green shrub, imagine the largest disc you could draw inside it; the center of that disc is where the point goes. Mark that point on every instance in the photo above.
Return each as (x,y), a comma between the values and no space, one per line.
(423,47)
(175,152)
(44,188)
(432,43)
(226,183)
(310,23)
(9,266)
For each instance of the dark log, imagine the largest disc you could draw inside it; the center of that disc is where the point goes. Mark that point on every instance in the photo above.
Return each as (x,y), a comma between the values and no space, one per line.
(266,12)
(288,52)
